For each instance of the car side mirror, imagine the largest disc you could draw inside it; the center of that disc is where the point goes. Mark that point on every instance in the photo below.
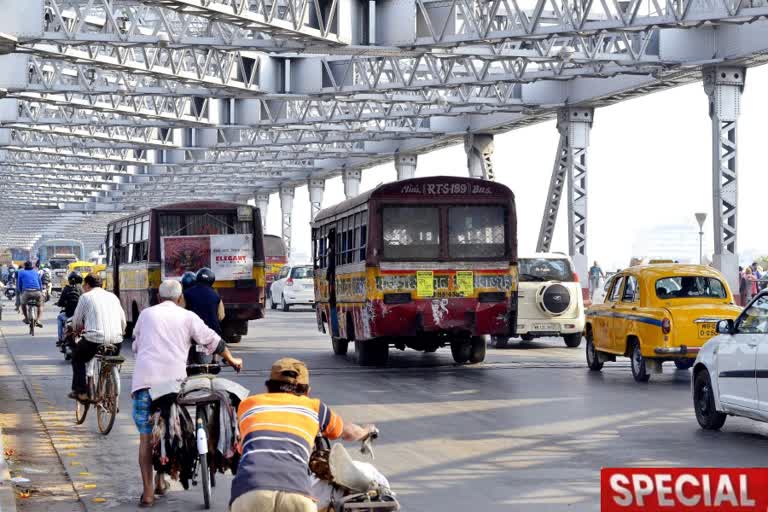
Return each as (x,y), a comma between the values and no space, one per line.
(725,327)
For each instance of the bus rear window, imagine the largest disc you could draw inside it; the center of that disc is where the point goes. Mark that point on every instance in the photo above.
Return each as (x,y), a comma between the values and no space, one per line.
(476,232)
(411,233)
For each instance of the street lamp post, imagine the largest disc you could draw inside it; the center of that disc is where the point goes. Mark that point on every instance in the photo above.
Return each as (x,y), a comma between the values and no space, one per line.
(700,218)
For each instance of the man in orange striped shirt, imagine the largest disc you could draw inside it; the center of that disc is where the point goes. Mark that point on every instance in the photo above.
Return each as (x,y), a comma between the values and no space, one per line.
(278,430)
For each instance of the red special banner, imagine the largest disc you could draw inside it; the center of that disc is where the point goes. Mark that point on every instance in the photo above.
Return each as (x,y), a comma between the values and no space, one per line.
(683,489)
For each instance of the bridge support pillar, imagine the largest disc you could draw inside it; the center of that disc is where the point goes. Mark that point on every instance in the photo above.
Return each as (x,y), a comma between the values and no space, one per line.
(316,189)
(574,125)
(479,149)
(262,203)
(724,86)
(555,193)
(351,179)
(286,205)
(405,165)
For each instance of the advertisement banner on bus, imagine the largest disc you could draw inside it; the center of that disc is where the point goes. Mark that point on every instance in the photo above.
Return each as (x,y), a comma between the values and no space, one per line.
(229,256)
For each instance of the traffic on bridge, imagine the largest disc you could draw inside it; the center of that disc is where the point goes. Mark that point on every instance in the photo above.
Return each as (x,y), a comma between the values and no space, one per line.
(292,256)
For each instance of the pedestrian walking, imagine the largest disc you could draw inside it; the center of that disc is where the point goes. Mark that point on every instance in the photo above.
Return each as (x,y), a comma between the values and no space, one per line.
(595,274)
(751,284)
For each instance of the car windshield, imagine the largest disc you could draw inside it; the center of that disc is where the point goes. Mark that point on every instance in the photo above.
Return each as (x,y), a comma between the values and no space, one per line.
(545,269)
(302,273)
(690,287)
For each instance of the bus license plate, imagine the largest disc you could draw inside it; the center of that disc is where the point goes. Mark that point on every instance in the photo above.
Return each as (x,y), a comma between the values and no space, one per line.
(707,330)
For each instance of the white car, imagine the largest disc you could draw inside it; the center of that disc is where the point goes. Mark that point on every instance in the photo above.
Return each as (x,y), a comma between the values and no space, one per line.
(294,285)
(549,300)
(730,375)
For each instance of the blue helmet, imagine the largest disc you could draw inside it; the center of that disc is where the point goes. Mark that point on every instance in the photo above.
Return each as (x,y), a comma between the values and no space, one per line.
(188,280)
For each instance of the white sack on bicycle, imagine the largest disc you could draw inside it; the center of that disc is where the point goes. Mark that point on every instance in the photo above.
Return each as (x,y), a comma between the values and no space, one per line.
(354,475)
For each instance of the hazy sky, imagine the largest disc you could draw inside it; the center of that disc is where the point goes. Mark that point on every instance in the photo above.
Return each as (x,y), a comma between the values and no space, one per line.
(649,165)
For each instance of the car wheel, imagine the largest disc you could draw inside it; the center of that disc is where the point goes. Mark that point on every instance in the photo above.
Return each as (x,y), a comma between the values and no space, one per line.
(572,340)
(684,364)
(707,415)
(286,307)
(593,361)
(340,346)
(639,371)
(272,303)
(500,341)
(526,337)
(478,349)
(461,350)
(372,352)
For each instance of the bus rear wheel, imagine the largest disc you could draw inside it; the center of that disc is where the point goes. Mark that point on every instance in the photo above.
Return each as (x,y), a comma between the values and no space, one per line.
(461,350)
(340,346)
(478,348)
(372,352)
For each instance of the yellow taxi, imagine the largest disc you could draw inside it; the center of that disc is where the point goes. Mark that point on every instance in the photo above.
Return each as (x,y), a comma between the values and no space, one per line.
(657,313)
(81,267)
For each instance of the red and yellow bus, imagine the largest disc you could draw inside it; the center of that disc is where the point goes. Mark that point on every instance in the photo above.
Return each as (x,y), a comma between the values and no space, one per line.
(420,263)
(275,256)
(164,242)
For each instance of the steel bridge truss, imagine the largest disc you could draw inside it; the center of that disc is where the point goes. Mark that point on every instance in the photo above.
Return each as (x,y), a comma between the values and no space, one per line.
(112,105)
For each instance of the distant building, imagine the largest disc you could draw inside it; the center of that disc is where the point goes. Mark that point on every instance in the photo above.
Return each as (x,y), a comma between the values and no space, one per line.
(677,242)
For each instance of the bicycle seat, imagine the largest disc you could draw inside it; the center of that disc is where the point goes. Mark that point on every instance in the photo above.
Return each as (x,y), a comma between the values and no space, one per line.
(106,350)
(113,359)
(32,303)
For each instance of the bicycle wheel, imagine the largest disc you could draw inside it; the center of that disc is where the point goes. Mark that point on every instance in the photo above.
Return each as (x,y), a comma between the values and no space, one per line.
(106,401)
(81,408)
(32,315)
(206,477)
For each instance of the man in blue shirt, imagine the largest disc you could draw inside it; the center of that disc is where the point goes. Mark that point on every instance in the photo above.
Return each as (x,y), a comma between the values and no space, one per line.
(29,287)
(203,300)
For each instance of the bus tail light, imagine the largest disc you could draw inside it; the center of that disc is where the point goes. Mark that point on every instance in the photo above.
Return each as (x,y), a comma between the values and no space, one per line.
(666,326)
(289,282)
(397,298)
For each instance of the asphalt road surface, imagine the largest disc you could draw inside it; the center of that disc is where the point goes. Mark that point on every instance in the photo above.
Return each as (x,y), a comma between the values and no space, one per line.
(527,430)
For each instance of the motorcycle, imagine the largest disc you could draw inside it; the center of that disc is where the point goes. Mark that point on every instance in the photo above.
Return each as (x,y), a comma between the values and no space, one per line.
(343,484)
(10,293)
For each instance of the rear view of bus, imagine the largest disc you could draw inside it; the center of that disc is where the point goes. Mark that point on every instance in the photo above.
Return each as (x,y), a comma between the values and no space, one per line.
(167,241)
(421,263)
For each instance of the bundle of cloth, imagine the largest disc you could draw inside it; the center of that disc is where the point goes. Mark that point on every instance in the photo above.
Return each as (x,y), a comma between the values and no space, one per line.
(174,438)
(174,448)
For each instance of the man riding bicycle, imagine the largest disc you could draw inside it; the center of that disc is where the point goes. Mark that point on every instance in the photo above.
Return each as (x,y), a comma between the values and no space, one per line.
(278,429)
(100,320)
(29,288)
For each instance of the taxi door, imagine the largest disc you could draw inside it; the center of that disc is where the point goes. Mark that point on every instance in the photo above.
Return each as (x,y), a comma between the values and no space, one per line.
(623,311)
(603,333)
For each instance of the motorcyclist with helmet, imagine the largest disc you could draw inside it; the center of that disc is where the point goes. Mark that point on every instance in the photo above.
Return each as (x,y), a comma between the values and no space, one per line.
(203,300)
(188,280)
(68,300)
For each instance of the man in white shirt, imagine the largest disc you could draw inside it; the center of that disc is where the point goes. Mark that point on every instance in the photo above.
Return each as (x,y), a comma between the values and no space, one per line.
(163,337)
(99,319)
